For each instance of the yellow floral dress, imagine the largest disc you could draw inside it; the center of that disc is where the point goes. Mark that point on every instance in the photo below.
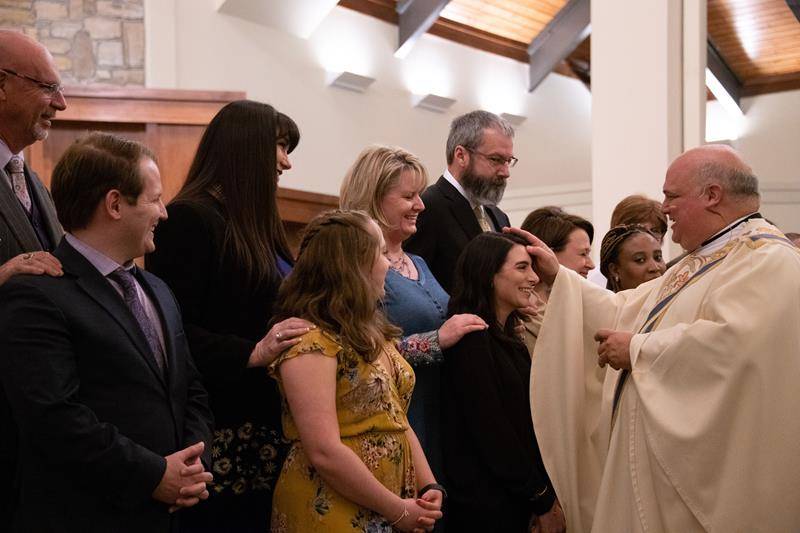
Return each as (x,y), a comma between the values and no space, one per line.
(371,409)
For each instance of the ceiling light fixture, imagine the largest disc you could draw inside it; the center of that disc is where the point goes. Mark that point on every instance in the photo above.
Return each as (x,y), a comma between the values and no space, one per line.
(349,81)
(432,102)
(516,120)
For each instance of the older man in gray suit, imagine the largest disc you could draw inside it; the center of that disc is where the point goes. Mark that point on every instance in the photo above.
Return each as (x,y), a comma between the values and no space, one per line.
(30,96)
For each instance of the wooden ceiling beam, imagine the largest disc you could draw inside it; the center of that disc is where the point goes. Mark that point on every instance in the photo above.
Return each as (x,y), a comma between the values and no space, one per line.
(415,17)
(558,39)
(720,69)
(794,5)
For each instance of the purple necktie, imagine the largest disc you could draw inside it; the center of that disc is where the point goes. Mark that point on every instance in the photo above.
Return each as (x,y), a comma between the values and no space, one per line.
(131,297)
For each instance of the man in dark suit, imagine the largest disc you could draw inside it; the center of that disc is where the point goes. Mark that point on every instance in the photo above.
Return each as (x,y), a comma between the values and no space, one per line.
(111,412)
(463,202)
(30,96)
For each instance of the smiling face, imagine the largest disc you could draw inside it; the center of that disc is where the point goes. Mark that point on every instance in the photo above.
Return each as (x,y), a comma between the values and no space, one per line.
(26,109)
(640,260)
(513,283)
(282,156)
(380,265)
(401,205)
(141,218)
(684,207)
(576,254)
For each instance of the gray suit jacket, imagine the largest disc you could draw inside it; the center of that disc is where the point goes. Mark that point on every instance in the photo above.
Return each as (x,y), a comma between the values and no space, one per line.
(17,236)
(16,233)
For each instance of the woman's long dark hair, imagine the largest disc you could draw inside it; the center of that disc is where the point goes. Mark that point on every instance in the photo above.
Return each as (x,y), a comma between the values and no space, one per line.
(473,290)
(236,164)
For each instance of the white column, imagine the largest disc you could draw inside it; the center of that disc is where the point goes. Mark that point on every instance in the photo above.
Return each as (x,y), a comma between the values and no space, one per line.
(695,50)
(637,100)
(161,67)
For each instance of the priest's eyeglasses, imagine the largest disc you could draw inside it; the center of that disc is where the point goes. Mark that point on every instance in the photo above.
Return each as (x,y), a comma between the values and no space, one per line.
(50,89)
(495,160)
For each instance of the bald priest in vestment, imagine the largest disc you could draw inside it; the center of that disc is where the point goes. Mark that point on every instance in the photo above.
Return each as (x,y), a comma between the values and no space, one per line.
(697,425)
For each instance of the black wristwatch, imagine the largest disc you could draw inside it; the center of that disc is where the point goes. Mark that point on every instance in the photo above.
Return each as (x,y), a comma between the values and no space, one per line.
(433,486)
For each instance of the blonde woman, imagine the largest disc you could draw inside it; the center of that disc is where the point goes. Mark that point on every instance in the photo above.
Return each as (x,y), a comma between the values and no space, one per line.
(387,182)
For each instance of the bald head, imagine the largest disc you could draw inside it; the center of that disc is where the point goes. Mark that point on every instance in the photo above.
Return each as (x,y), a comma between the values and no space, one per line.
(17,50)
(719,163)
(707,188)
(28,100)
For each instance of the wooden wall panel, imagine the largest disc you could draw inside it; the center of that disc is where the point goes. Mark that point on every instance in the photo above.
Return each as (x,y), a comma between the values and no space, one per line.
(169,122)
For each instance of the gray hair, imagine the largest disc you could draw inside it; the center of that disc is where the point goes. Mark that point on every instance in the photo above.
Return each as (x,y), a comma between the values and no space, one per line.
(467,130)
(736,181)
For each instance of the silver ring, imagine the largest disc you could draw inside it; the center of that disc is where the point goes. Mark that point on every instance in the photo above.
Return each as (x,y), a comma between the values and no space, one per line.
(278,336)
(27,257)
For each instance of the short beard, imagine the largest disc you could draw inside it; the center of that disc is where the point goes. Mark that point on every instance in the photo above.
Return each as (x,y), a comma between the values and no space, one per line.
(40,133)
(483,190)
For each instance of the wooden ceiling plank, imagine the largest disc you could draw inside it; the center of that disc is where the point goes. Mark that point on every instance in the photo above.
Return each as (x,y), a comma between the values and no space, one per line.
(415,17)
(557,40)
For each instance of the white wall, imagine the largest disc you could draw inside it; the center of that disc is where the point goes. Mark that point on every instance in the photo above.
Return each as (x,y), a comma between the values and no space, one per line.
(220,52)
(768,140)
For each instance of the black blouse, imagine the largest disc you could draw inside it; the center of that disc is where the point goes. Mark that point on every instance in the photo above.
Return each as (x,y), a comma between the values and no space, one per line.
(491,455)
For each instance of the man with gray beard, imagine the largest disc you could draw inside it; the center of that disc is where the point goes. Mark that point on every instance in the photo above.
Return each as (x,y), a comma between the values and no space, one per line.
(463,202)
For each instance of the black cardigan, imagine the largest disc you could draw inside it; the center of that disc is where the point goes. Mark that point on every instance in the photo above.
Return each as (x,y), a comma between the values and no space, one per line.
(497,478)
(223,320)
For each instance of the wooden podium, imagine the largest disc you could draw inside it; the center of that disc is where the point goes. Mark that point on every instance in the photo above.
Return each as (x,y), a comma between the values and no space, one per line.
(170,122)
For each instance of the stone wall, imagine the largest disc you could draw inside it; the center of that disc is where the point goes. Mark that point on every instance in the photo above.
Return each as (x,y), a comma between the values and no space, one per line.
(92,41)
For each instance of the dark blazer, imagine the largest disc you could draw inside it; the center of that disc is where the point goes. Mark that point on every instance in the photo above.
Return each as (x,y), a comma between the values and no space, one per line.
(96,417)
(492,460)
(445,227)
(17,236)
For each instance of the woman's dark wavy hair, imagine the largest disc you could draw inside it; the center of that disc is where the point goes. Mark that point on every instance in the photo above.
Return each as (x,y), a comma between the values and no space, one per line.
(236,164)
(473,285)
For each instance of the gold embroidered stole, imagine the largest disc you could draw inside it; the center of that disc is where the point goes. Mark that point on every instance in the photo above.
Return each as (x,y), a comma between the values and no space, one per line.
(690,270)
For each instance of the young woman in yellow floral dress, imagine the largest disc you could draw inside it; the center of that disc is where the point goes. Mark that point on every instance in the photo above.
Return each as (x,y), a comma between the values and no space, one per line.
(355,464)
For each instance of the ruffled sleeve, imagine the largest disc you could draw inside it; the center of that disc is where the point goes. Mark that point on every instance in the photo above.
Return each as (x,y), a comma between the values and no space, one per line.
(315,340)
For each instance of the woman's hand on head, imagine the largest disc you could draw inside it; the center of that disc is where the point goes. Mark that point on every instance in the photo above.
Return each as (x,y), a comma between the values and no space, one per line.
(457,326)
(280,337)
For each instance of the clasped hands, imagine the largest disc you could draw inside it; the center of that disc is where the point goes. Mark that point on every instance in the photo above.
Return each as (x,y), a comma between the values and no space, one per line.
(614,349)
(423,512)
(184,481)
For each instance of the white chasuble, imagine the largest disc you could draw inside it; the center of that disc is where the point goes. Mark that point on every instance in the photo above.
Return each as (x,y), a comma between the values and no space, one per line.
(704,433)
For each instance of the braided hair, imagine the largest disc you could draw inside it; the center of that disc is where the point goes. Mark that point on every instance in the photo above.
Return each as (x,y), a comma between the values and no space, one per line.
(611,246)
